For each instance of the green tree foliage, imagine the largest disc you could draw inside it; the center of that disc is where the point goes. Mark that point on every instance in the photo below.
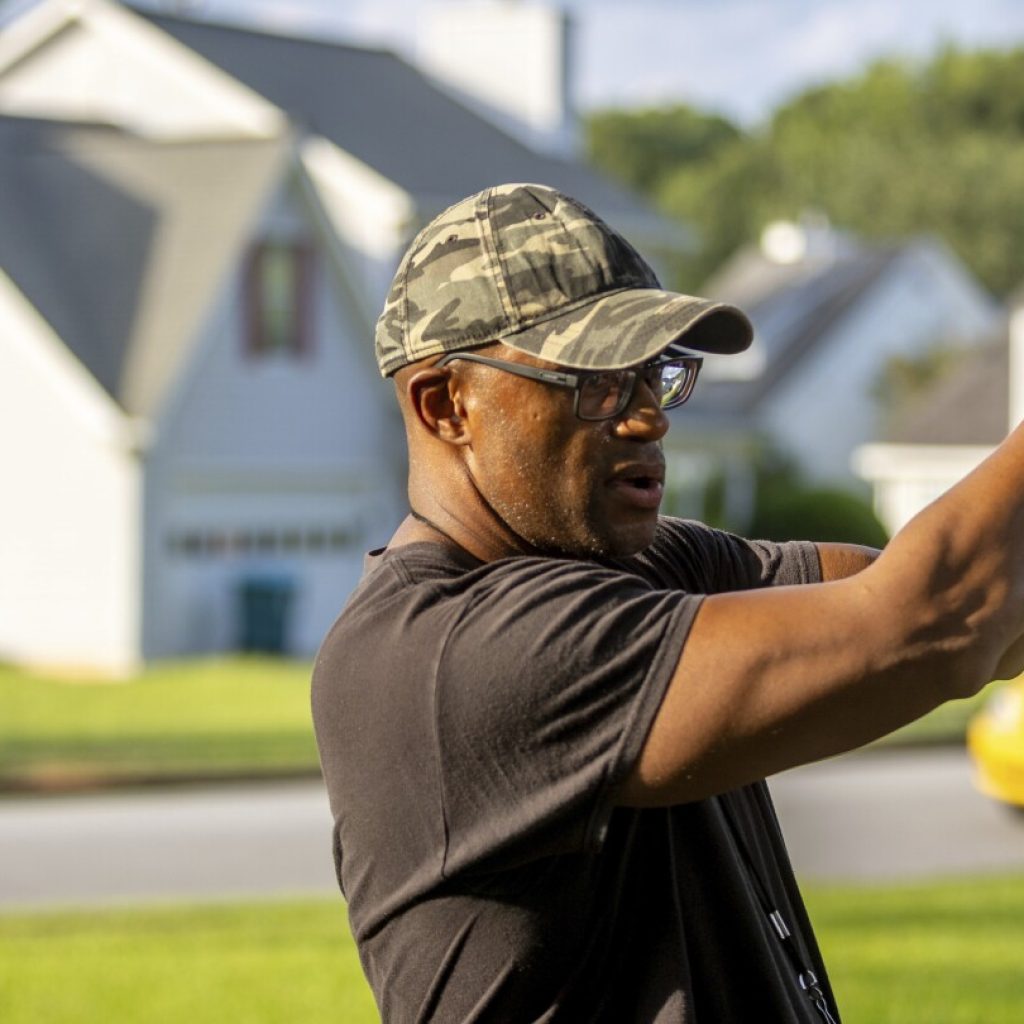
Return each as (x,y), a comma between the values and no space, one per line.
(826,514)
(641,147)
(789,507)
(895,151)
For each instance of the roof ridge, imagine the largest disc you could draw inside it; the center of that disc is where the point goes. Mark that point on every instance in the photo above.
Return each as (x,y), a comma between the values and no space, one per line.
(271,31)
(874,262)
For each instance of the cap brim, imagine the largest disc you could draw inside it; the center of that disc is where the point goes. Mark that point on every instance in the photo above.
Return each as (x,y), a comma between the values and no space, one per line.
(631,326)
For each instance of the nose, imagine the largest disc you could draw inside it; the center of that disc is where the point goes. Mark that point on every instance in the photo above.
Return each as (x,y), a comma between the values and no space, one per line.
(644,417)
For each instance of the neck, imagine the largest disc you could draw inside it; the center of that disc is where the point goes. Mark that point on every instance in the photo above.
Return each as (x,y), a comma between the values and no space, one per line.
(433,526)
(465,521)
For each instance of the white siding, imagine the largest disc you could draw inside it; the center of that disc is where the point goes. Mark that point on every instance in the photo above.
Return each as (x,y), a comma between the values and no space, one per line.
(908,477)
(108,65)
(69,518)
(296,451)
(824,408)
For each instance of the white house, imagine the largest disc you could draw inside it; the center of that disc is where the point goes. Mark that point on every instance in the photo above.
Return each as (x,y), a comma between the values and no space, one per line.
(200,222)
(829,312)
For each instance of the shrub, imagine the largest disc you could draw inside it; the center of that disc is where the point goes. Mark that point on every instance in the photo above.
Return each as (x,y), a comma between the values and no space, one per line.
(815,513)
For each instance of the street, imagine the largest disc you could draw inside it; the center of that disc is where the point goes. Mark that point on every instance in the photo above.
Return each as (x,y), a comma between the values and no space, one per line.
(157,844)
(868,816)
(889,815)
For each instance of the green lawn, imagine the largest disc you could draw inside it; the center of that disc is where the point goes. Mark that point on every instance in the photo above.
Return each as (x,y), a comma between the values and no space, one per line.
(207,718)
(225,716)
(947,953)
(250,964)
(942,953)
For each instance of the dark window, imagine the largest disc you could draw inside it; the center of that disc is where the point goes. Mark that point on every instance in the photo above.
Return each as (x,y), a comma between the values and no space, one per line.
(279,298)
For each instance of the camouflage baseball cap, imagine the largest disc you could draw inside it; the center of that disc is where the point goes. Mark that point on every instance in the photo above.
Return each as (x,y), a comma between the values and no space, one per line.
(533,268)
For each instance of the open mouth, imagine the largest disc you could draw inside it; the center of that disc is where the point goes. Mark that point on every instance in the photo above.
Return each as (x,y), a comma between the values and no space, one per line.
(639,489)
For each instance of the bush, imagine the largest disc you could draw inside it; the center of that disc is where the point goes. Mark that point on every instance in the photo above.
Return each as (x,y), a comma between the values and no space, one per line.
(819,514)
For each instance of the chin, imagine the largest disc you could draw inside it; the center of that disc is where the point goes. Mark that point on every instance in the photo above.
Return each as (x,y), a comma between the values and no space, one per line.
(633,545)
(621,542)
(593,537)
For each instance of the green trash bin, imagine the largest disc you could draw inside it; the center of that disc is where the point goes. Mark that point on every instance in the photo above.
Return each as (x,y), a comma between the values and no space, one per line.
(265,611)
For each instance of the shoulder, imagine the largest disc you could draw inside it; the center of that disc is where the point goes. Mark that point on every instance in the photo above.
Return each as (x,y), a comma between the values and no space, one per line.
(694,556)
(427,588)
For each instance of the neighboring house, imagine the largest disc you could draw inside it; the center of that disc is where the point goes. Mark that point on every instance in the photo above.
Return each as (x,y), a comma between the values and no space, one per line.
(829,312)
(200,223)
(942,435)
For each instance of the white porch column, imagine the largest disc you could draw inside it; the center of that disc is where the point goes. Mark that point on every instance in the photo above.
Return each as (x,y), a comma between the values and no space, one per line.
(1016,381)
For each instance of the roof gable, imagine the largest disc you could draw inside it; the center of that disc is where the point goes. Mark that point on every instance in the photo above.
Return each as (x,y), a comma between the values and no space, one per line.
(121,243)
(75,244)
(93,61)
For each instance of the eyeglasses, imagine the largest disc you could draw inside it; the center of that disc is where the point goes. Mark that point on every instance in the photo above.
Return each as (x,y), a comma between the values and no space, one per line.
(605,394)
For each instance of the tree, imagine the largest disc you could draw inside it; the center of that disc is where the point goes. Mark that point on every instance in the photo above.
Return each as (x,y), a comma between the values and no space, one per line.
(639,147)
(898,150)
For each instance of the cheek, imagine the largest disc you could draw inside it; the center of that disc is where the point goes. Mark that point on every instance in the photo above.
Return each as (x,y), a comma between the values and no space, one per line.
(526,461)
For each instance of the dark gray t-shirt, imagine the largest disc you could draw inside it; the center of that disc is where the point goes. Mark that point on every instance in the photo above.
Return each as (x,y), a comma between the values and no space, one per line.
(473,722)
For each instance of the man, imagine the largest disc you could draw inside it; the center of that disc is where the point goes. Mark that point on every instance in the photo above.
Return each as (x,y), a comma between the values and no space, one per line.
(545,714)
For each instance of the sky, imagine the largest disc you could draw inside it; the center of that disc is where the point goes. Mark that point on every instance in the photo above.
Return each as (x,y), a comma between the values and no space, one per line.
(737,57)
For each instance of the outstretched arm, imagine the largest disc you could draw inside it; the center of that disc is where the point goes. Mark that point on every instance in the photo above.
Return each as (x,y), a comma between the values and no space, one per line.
(773,678)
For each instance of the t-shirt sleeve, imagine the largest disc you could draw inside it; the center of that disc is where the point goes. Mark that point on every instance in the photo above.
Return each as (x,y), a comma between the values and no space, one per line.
(545,691)
(695,556)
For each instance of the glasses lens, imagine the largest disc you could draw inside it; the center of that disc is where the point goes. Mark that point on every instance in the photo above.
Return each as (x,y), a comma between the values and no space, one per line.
(672,380)
(676,380)
(603,395)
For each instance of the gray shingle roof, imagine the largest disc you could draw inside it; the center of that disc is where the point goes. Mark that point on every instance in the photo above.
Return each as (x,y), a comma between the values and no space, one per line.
(792,309)
(388,114)
(72,242)
(120,242)
(968,405)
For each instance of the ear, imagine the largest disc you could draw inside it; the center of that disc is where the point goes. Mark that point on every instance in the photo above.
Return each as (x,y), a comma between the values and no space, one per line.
(435,397)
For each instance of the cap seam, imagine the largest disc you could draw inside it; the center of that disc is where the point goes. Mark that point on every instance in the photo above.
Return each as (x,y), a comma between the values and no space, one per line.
(587,214)
(407,339)
(488,236)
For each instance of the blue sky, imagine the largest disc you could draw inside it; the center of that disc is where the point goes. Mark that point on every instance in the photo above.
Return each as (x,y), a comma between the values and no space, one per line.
(740,57)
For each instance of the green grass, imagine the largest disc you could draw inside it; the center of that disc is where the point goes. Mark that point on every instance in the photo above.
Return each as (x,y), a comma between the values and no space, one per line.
(252,964)
(210,717)
(945,953)
(206,718)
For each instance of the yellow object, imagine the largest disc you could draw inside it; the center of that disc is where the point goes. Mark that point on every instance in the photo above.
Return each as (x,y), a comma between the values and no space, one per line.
(995,740)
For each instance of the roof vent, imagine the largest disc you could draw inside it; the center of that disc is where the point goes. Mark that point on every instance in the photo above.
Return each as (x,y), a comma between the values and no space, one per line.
(782,241)
(809,239)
